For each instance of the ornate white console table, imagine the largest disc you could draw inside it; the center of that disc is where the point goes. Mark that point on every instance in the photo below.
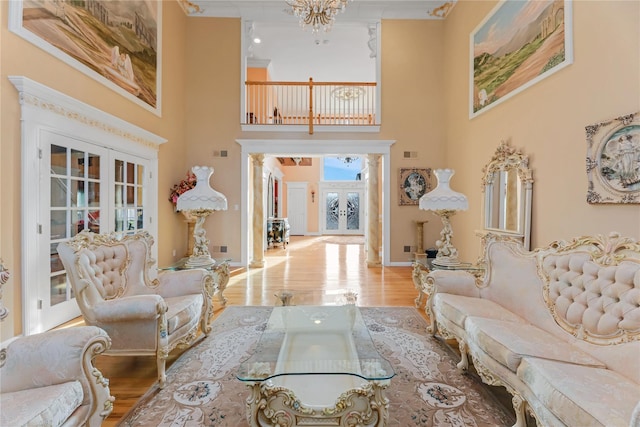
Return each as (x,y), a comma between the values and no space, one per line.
(316,365)
(218,279)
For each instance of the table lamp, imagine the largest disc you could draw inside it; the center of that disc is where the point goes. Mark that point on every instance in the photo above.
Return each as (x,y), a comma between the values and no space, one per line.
(200,202)
(444,202)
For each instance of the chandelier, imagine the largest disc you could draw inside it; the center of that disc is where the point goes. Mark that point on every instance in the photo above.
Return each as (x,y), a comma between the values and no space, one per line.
(347,93)
(348,160)
(316,13)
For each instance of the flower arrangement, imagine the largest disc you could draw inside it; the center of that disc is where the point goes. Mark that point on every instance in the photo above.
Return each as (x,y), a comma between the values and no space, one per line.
(186,184)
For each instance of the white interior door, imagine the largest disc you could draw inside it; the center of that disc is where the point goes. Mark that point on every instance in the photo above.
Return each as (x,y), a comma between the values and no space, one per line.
(297,208)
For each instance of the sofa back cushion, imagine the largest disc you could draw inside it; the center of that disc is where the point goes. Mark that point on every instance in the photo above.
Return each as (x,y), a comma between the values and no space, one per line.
(599,303)
(592,287)
(592,290)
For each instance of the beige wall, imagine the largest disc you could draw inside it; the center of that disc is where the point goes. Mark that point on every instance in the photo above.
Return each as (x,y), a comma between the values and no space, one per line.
(412,114)
(546,121)
(213,118)
(19,57)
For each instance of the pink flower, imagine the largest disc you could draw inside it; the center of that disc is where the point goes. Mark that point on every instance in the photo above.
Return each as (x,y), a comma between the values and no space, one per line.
(185,185)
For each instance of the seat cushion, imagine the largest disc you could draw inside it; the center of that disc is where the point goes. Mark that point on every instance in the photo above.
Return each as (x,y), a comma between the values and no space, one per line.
(581,395)
(42,406)
(509,342)
(456,308)
(183,310)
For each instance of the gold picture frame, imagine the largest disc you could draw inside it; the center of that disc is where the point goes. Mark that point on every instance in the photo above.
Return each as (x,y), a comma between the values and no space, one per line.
(414,183)
(613,160)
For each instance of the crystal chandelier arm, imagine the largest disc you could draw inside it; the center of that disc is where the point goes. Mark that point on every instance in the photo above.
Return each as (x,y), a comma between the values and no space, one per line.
(316,13)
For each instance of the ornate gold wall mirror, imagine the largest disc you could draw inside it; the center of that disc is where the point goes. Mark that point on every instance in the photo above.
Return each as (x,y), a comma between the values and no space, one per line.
(507,185)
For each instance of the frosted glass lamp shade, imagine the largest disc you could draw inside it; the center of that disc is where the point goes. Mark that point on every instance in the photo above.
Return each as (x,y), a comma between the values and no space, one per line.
(443,197)
(202,196)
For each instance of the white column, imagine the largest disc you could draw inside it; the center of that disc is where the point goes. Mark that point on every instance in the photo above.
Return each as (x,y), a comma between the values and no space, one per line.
(373,225)
(257,260)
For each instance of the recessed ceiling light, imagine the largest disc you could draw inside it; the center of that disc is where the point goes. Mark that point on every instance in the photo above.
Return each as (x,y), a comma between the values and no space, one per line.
(257,40)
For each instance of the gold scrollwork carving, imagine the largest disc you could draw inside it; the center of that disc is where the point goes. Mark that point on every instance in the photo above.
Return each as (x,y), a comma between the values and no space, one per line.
(272,405)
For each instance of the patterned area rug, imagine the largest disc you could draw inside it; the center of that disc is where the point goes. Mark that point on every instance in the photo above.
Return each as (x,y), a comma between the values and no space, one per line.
(202,389)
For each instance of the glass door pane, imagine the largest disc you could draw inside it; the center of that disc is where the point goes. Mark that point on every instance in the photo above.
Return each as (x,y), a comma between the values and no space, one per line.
(332,204)
(74,205)
(129,194)
(353,210)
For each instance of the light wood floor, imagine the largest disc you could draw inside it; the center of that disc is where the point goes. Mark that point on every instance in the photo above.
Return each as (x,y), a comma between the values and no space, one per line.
(310,265)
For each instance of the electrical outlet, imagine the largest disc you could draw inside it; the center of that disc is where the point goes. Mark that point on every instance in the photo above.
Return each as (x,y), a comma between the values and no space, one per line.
(223,249)
(407,248)
(173,252)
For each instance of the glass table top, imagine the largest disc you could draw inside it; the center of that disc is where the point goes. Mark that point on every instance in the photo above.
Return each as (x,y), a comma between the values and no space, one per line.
(288,296)
(429,264)
(315,340)
(181,264)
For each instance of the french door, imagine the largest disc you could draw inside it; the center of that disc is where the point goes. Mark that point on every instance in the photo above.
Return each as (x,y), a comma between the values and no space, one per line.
(84,187)
(342,208)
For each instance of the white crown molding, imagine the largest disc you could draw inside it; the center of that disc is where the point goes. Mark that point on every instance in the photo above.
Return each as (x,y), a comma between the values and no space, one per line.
(40,98)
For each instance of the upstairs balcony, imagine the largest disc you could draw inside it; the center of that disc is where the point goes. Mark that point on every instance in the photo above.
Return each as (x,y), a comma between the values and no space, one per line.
(311,106)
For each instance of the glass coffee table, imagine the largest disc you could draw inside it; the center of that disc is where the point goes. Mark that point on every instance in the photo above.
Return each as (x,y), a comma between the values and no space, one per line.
(316,365)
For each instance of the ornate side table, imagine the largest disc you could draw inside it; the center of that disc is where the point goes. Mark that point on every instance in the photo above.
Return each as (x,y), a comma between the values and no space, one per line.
(219,274)
(421,267)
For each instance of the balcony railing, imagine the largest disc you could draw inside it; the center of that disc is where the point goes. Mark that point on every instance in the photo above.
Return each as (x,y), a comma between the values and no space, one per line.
(310,103)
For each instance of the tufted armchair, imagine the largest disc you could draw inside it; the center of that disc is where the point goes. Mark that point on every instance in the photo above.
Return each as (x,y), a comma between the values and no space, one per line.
(48,379)
(142,315)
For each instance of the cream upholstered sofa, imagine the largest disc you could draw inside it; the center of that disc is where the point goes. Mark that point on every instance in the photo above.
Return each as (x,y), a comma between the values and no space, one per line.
(559,327)
(48,379)
(111,278)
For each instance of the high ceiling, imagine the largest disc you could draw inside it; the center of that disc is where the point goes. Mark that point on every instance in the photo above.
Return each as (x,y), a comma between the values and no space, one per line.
(357,9)
(295,54)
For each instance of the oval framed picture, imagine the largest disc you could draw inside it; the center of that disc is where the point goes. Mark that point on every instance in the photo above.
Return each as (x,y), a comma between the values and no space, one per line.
(613,160)
(414,183)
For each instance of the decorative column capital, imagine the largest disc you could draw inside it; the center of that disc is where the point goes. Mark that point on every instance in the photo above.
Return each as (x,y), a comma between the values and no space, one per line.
(373,160)
(257,159)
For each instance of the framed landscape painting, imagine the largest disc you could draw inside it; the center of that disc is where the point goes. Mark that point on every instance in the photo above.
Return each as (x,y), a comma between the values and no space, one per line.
(518,44)
(118,43)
